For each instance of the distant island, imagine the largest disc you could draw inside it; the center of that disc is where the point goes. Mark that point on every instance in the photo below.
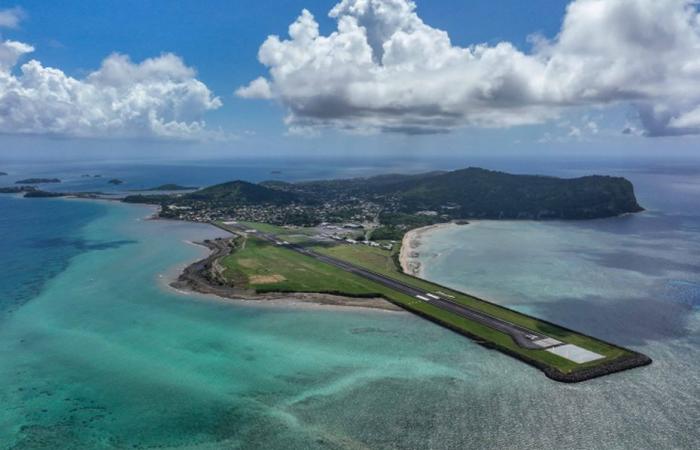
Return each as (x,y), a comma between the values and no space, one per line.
(44,194)
(16,189)
(38,181)
(397,203)
(171,187)
(115,181)
(2,174)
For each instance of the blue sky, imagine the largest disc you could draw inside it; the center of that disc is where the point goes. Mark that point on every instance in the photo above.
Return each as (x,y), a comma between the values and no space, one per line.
(220,40)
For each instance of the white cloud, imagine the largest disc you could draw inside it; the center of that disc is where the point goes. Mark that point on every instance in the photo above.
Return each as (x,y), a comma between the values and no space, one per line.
(385,69)
(156,98)
(11,18)
(258,88)
(10,52)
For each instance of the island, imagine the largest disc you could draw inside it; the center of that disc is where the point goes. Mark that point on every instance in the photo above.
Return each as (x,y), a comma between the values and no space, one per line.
(33,192)
(17,189)
(340,241)
(115,181)
(396,203)
(2,174)
(44,194)
(38,181)
(170,187)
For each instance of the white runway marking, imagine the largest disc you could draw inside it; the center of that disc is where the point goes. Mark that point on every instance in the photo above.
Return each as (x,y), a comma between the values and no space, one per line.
(546,343)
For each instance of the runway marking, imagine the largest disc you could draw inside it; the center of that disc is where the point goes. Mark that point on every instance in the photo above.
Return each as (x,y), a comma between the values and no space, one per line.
(547,342)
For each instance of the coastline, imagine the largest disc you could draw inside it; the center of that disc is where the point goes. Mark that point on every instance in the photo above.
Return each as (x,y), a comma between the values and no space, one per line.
(190,280)
(196,278)
(409,255)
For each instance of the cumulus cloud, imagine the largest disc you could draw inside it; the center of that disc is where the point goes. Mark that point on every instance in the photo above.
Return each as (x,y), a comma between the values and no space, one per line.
(258,88)
(156,98)
(385,69)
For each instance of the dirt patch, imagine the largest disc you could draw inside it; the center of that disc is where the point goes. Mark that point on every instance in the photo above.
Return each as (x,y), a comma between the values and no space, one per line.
(247,263)
(266,279)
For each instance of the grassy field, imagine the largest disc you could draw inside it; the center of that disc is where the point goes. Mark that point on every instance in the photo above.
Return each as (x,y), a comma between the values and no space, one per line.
(265,267)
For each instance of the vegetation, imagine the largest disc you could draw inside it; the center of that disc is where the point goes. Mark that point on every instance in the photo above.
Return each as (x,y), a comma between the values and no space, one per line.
(43,194)
(480,193)
(387,233)
(238,193)
(172,187)
(402,202)
(264,267)
(268,268)
(383,262)
(38,181)
(16,189)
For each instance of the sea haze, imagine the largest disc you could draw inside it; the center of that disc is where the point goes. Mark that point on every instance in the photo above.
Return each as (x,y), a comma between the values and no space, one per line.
(97,352)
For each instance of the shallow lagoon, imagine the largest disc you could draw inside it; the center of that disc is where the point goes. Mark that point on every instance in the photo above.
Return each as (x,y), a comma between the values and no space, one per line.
(99,354)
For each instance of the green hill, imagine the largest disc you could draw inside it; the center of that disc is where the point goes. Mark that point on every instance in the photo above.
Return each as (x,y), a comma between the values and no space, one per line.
(233,193)
(479,193)
(240,193)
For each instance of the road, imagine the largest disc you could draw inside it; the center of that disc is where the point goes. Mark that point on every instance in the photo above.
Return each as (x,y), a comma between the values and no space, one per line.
(522,336)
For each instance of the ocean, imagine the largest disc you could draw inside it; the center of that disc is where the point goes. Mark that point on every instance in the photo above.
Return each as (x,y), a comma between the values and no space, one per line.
(96,351)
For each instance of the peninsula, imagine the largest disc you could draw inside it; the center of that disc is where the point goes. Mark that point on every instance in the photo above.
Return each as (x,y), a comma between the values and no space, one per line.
(264,261)
(38,181)
(339,239)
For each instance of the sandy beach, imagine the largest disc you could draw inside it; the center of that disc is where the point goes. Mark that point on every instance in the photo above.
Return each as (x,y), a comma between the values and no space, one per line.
(409,257)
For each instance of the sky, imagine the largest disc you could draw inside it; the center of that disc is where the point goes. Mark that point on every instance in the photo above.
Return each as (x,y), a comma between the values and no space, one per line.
(192,79)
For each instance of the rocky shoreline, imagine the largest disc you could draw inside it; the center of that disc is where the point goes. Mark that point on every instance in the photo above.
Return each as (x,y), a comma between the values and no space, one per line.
(203,277)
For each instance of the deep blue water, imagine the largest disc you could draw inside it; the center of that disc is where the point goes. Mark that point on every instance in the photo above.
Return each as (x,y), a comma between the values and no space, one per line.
(39,239)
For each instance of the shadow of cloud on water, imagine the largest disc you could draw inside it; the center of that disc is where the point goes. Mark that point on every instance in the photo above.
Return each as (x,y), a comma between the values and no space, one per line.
(623,321)
(80,244)
(638,262)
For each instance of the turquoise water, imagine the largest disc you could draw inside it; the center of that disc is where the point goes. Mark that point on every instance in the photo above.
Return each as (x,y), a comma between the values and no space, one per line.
(634,280)
(39,238)
(106,357)
(96,352)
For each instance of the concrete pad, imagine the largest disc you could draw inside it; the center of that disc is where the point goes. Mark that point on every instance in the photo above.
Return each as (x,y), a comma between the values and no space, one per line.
(575,353)
(546,343)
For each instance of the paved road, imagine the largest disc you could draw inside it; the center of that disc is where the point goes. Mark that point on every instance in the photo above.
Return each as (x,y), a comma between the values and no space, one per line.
(522,336)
